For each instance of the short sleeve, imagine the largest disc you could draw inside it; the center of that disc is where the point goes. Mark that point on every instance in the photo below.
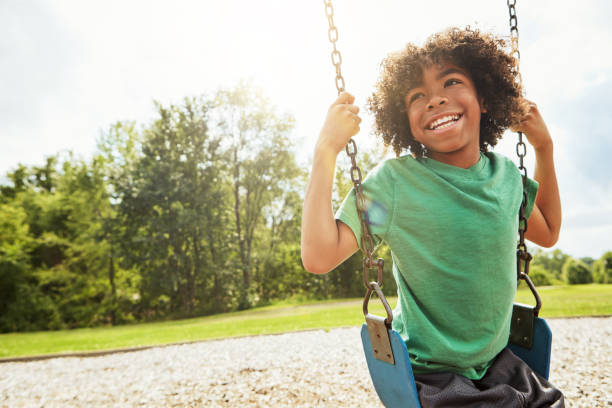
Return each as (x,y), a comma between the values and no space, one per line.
(379,191)
(532,189)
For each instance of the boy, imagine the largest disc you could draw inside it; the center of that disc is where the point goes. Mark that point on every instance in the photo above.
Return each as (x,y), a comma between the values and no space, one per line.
(450,213)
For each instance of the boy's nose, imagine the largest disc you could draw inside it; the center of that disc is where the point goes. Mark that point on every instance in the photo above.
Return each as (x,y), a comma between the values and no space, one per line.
(437,101)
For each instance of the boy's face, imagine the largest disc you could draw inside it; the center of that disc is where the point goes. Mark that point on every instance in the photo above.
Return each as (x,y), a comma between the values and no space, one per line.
(444,113)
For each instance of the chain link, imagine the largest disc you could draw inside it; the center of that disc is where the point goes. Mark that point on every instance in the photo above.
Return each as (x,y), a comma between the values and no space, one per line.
(367,242)
(514,37)
(522,254)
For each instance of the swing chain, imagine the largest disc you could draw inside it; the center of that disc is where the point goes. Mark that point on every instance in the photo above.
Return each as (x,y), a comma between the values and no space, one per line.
(367,242)
(332,35)
(514,37)
(522,254)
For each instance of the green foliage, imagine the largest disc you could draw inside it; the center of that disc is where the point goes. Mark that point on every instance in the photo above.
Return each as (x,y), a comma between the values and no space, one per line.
(261,174)
(602,269)
(540,276)
(22,305)
(576,272)
(552,261)
(164,209)
(198,212)
(588,261)
(55,283)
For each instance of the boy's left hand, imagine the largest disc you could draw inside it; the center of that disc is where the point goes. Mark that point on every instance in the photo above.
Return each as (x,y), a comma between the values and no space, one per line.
(533,126)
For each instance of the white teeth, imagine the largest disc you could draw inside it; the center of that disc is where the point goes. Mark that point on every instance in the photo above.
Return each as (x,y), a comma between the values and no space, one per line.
(443,122)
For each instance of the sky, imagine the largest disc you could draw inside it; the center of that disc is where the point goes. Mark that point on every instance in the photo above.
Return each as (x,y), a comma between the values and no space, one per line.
(69,69)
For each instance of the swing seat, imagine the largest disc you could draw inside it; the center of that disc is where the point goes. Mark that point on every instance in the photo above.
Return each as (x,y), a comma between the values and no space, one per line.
(395,384)
(536,351)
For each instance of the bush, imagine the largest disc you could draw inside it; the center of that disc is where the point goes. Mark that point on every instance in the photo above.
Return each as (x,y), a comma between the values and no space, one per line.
(602,269)
(540,276)
(576,272)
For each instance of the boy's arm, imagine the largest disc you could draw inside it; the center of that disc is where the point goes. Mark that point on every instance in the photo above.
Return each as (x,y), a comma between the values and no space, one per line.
(326,242)
(544,222)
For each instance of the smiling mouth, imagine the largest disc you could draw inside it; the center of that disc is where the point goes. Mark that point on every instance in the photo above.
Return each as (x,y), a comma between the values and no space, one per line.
(444,122)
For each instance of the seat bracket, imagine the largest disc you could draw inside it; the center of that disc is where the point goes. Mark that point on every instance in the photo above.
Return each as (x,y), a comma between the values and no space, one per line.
(521,327)
(379,337)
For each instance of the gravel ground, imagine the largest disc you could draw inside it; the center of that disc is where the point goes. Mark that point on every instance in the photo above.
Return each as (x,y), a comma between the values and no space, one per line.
(305,369)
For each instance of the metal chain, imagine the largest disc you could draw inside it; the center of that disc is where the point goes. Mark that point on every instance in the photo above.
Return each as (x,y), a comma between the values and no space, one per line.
(514,37)
(522,254)
(367,242)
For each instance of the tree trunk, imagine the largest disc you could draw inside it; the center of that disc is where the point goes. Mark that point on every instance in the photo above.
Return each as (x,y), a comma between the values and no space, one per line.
(216,281)
(111,279)
(243,304)
(196,266)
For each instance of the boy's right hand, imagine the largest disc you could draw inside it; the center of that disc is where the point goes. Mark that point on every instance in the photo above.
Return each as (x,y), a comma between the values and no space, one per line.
(341,123)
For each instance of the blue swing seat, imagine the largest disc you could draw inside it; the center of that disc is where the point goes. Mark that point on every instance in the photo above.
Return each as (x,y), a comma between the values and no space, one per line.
(395,384)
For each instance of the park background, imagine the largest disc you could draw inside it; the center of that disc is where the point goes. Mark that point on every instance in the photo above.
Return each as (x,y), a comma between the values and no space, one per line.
(155,156)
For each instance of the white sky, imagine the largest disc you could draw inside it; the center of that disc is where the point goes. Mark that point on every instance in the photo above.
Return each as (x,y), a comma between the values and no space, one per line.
(69,69)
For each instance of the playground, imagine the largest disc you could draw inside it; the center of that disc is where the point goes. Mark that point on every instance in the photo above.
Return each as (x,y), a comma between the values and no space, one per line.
(302,369)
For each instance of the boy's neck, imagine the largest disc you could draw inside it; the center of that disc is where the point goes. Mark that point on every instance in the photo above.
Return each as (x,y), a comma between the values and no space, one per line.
(464,161)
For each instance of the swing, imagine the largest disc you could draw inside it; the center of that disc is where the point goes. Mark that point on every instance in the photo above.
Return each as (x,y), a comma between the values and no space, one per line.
(385,351)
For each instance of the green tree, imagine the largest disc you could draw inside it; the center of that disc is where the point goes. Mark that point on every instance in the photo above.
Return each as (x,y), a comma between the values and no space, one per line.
(576,272)
(84,195)
(68,255)
(22,305)
(261,166)
(173,210)
(540,276)
(552,261)
(19,179)
(119,150)
(278,267)
(602,269)
(588,261)
(56,282)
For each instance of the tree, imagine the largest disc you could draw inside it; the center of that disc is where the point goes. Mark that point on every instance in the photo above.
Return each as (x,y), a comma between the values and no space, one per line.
(261,167)
(602,269)
(540,276)
(552,261)
(56,282)
(22,306)
(576,272)
(174,208)
(119,150)
(588,261)
(70,253)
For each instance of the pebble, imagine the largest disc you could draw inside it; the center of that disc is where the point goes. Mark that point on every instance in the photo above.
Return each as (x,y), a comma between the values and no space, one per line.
(302,369)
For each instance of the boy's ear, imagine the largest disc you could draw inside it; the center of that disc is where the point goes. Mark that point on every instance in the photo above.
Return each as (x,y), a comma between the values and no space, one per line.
(483,108)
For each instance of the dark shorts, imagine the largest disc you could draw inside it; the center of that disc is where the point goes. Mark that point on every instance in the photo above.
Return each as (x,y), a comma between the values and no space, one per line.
(509,382)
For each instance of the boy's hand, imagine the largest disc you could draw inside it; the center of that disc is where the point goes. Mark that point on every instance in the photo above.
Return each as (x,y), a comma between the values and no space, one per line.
(533,126)
(341,124)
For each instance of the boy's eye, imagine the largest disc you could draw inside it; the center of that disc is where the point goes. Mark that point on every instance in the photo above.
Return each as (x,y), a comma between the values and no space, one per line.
(416,96)
(452,81)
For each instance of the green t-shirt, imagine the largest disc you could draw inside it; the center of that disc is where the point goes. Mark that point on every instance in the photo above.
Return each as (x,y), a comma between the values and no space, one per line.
(452,234)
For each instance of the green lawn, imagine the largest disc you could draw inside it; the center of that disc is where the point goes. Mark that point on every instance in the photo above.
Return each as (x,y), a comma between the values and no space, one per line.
(558,301)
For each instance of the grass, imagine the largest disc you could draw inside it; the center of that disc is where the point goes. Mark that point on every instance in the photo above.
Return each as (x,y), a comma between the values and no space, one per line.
(558,301)
(571,300)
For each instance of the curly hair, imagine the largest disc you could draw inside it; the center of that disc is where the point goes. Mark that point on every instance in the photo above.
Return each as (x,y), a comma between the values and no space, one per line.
(481,55)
